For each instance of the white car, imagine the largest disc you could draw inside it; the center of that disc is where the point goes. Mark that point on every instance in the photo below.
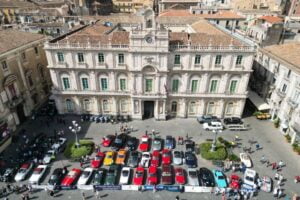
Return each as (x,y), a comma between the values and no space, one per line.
(58,146)
(250,177)
(246,160)
(146,158)
(37,174)
(213,125)
(23,171)
(49,156)
(266,184)
(177,157)
(193,177)
(125,174)
(85,176)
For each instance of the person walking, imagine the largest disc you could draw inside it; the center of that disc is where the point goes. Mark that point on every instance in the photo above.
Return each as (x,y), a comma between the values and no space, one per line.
(83,196)
(97,194)
(177,197)
(51,193)
(280,164)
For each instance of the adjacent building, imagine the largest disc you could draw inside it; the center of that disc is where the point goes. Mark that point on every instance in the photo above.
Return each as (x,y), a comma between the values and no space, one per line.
(276,79)
(150,67)
(25,81)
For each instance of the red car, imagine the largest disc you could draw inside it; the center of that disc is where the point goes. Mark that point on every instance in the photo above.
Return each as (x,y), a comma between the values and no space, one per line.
(155,159)
(235,182)
(167,175)
(166,157)
(97,161)
(107,140)
(71,177)
(139,176)
(144,145)
(152,175)
(180,176)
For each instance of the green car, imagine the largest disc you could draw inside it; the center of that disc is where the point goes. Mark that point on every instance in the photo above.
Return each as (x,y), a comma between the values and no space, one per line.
(111,175)
(99,177)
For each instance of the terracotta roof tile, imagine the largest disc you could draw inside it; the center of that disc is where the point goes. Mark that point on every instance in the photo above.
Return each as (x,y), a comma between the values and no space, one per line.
(11,39)
(271,19)
(120,37)
(178,38)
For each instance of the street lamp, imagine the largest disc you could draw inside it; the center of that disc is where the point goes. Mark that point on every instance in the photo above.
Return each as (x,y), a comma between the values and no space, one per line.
(214,144)
(75,129)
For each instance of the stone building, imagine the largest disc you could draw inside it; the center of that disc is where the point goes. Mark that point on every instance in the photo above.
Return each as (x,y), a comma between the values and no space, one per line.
(151,67)
(25,81)
(276,78)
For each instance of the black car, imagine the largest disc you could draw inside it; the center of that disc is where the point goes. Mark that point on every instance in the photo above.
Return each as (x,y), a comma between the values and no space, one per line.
(206,177)
(99,176)
(207,118)
(119,142)
(134,158)
(190,159)
(189,145)
(233,120)
(56,177)
(169,142)
(131,143)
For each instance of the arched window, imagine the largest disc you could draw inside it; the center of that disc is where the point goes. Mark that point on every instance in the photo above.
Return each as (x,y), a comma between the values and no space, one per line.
(86,105)
(69,105)
(192,107)
(149,23)
(174,107)
(230,108)
(105,106)
(211,107)
(84,79)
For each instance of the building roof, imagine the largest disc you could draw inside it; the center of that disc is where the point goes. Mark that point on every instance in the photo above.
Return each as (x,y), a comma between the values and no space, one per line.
(15,4)
(287,53)
(11,39)
(185,13)
(272,19)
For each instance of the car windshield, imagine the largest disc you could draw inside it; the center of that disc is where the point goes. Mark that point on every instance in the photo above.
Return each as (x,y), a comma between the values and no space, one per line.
(37,170)
(118,140)
(125,173)
(166,173)
(97,158)
(53,177)
(249,178)
(139,174)
(178,173)
(109,156)
(220,177)
(22,170)
(146,156)
(86,173)
(166,154)
(156,142)
(121,156)
(189,157)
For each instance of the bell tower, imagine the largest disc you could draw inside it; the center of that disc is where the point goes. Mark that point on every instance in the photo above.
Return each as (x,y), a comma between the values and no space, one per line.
(149,22)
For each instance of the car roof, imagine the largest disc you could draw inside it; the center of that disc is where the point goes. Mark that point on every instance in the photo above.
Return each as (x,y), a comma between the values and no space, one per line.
(25,165)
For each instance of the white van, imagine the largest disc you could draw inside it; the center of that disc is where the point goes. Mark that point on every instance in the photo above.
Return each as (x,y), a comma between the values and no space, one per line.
(250,177)
(237,127)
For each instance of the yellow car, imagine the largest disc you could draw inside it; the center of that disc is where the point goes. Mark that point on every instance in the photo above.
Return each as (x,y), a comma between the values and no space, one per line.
(121,156)
(109,158)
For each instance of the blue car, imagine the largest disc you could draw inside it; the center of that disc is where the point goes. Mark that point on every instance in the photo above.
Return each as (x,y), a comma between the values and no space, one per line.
(169,142)
(220,179)
(190,160)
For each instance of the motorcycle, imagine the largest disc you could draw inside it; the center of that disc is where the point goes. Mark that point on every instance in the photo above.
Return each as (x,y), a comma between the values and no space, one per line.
(7,175)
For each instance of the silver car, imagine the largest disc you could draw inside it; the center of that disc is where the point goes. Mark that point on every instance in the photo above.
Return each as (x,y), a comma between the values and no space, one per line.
(156,144)
(177,157)
(193,178)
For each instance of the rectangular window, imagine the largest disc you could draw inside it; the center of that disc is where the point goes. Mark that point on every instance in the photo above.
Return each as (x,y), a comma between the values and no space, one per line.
(36,50)
(30,81)
(192,108)
(66,83)
(80,57)
(175,85)
(104,85)
(85,83)
(283,89)
(100,57)
(194,86)
(122,84)
(233,85)
(148,85)
(60,57)
(177,60)
(218,60)
(239,59)
(121,58)
(213,86)
(4,65)
(197,59)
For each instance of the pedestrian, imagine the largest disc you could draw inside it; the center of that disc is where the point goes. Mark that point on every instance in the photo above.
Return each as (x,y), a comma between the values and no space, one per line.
(51,193)
(177,197)
(146,133)
(23,197)
(153,132)
(280,164)
(116,134)
(81,164)
(83,196)
(274,165)
(97,194)
(187,136)
(276,177)
(223,196)
(154,188)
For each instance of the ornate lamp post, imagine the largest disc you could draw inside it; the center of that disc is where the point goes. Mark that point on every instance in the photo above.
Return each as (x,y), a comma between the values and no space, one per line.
(75,128)
(214,144)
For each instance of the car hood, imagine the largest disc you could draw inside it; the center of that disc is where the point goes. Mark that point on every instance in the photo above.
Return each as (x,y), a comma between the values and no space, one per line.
(143,146)
(67,181)
(180,179)
(82,180)
(19,176)
(34,177)
(166,179)
(95,163)
(221,183)
(47,159)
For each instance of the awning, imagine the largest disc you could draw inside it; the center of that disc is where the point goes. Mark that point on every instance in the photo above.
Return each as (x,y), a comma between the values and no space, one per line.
(259,103)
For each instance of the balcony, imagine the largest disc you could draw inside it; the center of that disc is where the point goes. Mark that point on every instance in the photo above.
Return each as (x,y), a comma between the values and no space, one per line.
(280,93)
(189,93)
(15,101)
(148,95)
(57,91)
(61,65)
(292,103)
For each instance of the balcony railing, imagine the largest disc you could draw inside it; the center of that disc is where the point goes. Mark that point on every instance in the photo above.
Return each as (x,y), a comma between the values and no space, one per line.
(90,92)
(280,93)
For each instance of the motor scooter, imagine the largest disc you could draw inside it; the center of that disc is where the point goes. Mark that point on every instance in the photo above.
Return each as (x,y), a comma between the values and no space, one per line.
(297,179)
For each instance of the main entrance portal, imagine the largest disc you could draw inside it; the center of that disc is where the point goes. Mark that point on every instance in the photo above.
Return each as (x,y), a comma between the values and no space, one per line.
(148,109)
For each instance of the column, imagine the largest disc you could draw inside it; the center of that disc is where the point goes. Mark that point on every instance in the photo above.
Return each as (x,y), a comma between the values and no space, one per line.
(202,107)
(204,83)
(185,86)
(139,83)
(77,105)
(220,108)
(95,106)
(112,83)
(93,81)
(157,85)
(55,79)
(74,82)
(156,109)
(114,109)
(182,108)
(223,83)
